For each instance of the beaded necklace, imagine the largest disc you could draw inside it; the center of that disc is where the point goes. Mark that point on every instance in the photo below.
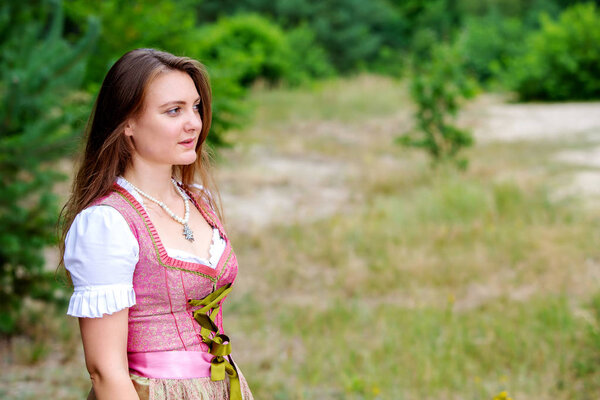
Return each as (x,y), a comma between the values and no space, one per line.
(187,232)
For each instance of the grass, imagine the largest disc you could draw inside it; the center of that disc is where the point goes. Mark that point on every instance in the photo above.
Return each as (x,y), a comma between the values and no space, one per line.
(356,100)
(427,283)
(435,285)
(455,289)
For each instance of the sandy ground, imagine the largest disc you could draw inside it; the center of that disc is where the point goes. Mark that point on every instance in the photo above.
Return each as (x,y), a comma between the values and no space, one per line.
(539,122)
(574,123)
(495,121)
(284,189)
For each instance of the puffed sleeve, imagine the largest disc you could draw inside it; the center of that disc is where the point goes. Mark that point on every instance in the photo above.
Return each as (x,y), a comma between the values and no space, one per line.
(100,254)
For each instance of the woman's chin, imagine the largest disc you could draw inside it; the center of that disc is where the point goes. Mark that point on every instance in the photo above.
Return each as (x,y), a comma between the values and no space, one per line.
(188,160)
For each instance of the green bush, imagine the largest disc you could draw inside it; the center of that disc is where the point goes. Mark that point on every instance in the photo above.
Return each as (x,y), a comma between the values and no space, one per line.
(562,59)
(42,109)
(488,43)
(246,47)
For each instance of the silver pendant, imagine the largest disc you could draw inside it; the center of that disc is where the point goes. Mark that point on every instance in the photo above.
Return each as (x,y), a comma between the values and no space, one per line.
(187,232)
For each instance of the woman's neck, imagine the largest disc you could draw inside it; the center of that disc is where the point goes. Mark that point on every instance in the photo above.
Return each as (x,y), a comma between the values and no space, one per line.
(155,182)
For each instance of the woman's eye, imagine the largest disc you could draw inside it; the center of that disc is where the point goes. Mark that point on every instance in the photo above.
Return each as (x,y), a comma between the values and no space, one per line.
(173,111)
(197,107)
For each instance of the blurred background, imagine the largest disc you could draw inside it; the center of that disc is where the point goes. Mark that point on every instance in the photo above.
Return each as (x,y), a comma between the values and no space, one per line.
(411,188)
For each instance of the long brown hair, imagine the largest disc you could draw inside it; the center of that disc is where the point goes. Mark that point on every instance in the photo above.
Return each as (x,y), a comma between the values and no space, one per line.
(108,152)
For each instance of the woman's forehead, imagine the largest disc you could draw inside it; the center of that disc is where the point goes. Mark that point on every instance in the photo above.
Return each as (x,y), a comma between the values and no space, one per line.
(171,86)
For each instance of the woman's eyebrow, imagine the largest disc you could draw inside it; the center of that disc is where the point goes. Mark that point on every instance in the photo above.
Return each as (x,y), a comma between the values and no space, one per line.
(177,102)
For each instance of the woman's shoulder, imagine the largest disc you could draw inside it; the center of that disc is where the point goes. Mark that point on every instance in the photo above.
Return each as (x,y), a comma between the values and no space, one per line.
(99,220)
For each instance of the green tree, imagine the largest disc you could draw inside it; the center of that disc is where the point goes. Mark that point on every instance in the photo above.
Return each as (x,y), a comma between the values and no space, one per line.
(40,73)
(438,86)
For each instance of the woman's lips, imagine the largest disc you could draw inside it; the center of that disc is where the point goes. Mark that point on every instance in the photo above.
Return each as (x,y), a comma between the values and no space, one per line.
(187,143)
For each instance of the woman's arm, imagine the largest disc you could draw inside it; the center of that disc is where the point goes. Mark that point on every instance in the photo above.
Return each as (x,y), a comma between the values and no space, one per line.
(105,347)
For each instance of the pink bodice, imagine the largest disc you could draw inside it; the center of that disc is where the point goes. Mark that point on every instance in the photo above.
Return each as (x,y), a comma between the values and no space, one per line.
(162,319)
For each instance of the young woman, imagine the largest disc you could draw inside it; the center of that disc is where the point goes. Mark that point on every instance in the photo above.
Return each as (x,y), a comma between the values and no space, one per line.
(143,242)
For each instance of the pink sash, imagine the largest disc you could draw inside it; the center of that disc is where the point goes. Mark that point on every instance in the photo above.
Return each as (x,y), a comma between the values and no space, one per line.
(170,364)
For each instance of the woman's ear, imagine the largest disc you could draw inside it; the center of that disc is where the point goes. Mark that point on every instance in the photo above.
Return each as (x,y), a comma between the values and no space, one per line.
(129,127)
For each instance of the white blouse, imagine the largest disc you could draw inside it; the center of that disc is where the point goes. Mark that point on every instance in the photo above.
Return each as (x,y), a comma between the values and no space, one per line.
(101,253)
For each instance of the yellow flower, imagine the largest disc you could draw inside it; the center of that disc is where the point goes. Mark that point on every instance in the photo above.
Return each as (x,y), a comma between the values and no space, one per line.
(502,396)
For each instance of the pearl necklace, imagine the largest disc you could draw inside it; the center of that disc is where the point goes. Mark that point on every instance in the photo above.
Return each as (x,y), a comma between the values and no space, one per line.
(187,232)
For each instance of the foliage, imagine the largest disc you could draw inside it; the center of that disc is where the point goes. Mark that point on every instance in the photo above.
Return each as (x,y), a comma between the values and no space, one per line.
(437,88)
(229,110)
(246,47)
(488,43)
(562,59)
(309,59)
(130,25)
(126,26)
(40,73)
(435,21)
(249,47)
(352,32)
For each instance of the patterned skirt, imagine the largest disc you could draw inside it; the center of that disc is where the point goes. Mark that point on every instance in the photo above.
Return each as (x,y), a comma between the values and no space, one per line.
(184,389)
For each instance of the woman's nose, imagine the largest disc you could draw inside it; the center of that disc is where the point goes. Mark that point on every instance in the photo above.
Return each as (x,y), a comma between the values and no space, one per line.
(194,121)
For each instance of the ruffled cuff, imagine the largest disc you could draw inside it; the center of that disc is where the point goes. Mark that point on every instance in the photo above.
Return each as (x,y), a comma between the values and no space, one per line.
(95,301)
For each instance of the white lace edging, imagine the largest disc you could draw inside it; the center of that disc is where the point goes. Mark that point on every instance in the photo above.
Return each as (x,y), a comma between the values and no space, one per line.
(95,301)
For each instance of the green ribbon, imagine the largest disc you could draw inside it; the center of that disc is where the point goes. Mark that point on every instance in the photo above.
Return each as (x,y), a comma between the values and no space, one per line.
(219,344)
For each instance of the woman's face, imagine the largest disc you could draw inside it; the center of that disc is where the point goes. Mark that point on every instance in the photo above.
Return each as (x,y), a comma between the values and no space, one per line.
(167,130)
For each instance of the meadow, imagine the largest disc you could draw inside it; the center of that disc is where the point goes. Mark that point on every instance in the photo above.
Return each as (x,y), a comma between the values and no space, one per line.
(367,274)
